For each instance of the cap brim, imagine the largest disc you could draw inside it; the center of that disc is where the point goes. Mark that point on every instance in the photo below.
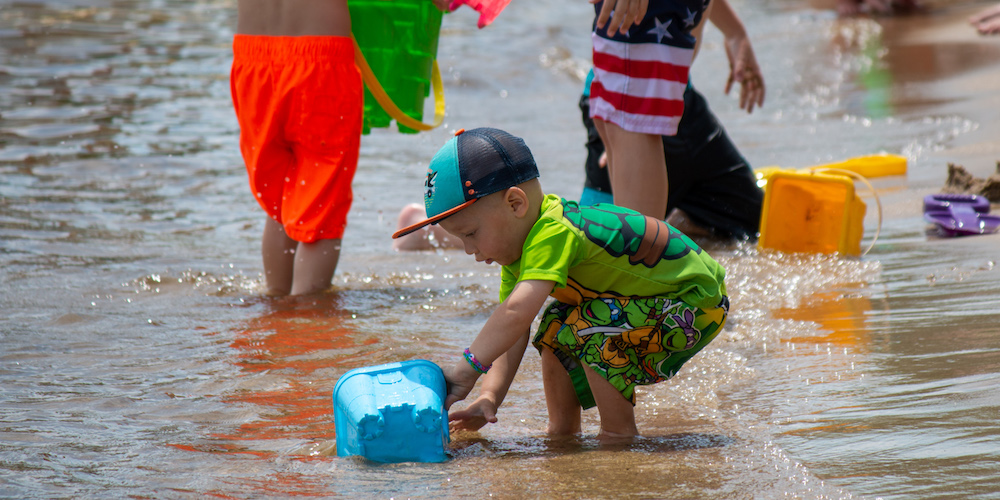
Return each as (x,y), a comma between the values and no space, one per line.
(433,220)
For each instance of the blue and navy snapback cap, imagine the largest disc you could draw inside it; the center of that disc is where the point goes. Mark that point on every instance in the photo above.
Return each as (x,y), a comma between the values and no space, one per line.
(473,164)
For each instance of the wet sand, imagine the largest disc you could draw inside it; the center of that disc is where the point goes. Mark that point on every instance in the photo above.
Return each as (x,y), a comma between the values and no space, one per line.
(942,67)
(939,62)
(943,56)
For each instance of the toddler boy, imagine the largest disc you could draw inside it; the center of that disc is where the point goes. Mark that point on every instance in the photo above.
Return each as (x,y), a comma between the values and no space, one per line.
(634,297)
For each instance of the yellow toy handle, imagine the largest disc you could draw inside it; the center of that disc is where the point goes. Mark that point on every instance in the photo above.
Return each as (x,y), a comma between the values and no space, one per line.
(386,102)
(857,176)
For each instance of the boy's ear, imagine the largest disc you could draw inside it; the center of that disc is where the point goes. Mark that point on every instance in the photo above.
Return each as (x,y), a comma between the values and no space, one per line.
(517,200)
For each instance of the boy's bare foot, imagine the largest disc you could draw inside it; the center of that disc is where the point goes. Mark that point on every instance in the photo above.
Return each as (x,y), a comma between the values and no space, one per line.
(611,438)
(987,22)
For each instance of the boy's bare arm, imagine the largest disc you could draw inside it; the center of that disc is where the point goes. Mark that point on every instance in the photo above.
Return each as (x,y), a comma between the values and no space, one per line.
(743,68)
(511,319)
(497,382)
(509,323)
(492,393)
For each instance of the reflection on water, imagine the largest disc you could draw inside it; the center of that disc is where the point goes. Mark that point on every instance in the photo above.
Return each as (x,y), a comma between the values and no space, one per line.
(295,343)
(840,318)
(140,358)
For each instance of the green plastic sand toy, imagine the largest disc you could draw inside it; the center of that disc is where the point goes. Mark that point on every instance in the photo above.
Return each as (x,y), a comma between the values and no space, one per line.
(399,40)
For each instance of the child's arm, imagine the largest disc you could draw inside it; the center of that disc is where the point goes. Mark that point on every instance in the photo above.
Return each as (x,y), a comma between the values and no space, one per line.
(509,322)
(496,383)
(743,66)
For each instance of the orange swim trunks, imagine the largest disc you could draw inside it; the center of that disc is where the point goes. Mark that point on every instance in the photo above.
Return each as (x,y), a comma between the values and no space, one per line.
(299,104)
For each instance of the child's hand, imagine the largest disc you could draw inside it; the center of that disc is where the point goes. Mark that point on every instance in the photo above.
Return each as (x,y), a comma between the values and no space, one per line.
(460,379)
(481,412)
(743,69)
(443,5)
(626,14)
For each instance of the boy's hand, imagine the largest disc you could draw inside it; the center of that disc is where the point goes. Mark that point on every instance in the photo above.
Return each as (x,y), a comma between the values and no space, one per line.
(626,14)
(481,412)
(743,69)
(460,379)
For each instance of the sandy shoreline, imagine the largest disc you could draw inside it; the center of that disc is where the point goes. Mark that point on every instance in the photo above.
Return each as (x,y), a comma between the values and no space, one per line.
(941,67)
(967,70)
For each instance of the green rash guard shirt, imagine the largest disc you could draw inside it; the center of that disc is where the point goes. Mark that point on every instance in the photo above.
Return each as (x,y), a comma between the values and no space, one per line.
(609,251)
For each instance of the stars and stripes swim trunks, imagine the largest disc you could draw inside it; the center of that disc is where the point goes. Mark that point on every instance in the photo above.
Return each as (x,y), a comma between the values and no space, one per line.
(640,76)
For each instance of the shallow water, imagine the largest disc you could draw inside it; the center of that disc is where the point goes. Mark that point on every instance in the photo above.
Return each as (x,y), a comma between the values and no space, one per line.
(139,357)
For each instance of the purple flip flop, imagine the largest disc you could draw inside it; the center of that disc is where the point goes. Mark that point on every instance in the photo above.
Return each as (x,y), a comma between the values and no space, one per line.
(960,214)
(941,201)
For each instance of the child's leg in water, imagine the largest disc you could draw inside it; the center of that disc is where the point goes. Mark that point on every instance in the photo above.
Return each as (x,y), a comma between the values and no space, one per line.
(617,413)
(315,264)
(297,268)
(560,398)
(278,251)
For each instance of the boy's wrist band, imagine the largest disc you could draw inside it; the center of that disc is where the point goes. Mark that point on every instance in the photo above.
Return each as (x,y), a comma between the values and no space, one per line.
(476,365)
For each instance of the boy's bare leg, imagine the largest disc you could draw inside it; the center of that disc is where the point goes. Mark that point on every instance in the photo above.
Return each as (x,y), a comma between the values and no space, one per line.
(278,251)
(617,413)
(638,169)
(315,264)
(560,398)
(292,267)
(683,223)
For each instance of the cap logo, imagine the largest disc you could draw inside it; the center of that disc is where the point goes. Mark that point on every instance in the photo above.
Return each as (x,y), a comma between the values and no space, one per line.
(429,184)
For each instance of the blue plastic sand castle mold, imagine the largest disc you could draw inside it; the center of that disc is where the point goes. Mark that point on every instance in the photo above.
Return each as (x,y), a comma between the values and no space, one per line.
(392,412)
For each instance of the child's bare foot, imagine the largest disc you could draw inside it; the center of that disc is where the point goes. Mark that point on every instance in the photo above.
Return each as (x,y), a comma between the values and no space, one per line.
(608,437)
(987,22)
